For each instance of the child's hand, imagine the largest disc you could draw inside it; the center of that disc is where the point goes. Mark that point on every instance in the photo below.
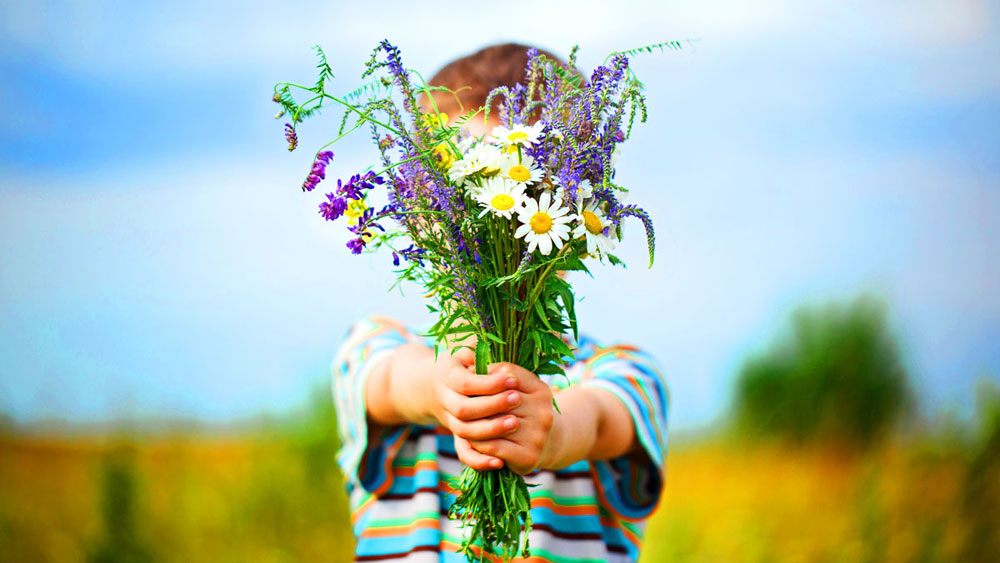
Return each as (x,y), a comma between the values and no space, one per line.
(528,446)
(505,416)
(472,406)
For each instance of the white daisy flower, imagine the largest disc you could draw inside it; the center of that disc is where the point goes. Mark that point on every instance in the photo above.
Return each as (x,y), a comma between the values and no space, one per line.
(592,225)
(524,172)
(543,224)
(472,188)
(480,158)
(501,197)
(463,169)
(524,135)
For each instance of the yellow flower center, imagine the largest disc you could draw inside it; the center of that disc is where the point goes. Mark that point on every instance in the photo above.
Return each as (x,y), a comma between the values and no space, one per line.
(541,223)
(592,223)
(355,208)
(502,202)
(519,173)
(517,136)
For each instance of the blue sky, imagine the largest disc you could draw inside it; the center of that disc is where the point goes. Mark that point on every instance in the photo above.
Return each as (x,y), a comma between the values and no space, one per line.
(157,256)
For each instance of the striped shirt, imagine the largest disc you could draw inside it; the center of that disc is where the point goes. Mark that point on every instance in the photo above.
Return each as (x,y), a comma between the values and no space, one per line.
(400,483)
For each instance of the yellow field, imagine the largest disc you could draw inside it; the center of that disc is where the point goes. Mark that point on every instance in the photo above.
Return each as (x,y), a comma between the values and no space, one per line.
(275,500)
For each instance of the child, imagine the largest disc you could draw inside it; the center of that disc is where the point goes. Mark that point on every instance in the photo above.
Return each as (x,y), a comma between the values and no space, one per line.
(408,420)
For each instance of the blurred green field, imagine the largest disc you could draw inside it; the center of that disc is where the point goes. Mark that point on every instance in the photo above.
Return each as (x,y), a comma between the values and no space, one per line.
(822,459)
(268,497)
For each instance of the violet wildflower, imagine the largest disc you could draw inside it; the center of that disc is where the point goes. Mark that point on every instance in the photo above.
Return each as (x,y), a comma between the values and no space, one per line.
(291,137)
(354,188)
(647,223)
(410,254)
(356,245)
(332,210)
(414,254)
(318,171)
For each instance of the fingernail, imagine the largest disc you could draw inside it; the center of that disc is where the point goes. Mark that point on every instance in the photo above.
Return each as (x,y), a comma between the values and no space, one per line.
(512,399)
(509,423)
(510,383)
(495,463)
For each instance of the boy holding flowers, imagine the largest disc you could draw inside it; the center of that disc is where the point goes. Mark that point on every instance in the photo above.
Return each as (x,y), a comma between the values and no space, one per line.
(409,419)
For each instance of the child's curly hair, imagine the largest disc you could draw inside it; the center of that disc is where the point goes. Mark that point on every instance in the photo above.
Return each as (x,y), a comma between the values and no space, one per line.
(472,77)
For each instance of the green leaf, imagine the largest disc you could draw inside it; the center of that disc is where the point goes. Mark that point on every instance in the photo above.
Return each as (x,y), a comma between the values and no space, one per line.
(542,315)
(550,369)
(494,338)
(614,260)
(482,356)
(569,302)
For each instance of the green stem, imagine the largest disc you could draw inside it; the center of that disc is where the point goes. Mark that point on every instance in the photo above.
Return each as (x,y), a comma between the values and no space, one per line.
(345,104)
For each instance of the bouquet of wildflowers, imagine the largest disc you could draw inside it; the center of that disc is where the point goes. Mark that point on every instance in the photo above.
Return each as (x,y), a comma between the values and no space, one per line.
(485,224)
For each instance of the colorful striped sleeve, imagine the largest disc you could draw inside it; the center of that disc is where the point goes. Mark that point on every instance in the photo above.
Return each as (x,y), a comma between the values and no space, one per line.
(368,343)
(631,485)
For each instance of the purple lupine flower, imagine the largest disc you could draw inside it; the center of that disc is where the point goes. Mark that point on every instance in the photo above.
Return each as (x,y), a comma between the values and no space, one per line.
(311,181)
(291,137)
(395,64)
(619,136)
(318,171)
(410,253)
(647,223)
(354,187)
(525,258)
(356,245)
(332,210)
(364,221)
(414,254)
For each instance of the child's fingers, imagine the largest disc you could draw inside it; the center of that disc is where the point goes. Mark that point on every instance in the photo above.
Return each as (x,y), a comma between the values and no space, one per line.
(467,383)
(465,356)
(526,380)
(480,406)
(484,428)
(474,459)
(517,457)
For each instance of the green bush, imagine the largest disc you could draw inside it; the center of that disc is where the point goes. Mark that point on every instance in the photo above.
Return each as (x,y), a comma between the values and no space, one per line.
(980,495)
(836,376)
(122,541)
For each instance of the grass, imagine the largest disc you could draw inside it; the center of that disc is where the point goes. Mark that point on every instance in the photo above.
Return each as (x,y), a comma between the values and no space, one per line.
(266,496)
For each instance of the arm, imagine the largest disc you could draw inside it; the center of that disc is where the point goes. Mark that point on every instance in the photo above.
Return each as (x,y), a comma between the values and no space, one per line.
(594,425)
(397,391)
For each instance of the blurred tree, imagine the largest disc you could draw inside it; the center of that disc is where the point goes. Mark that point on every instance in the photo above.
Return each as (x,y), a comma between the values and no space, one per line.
(837,376)
(315,435)
(121,542)
(980,497)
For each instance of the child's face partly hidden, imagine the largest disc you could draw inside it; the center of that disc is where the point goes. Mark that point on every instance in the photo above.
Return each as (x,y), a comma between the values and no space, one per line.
(475,126)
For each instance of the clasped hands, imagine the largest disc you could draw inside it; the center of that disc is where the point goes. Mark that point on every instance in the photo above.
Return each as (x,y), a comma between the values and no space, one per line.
(503,417)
